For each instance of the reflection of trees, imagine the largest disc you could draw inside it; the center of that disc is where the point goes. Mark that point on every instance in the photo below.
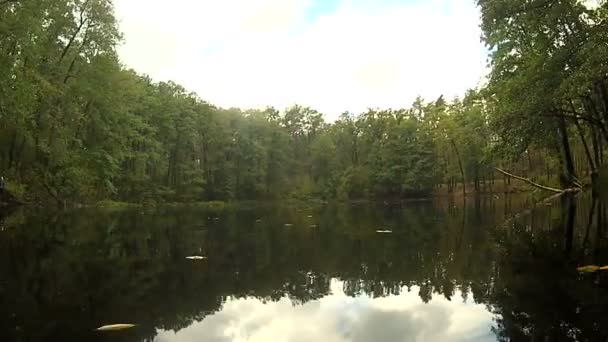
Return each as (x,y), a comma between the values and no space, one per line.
(62,276)
(536,290)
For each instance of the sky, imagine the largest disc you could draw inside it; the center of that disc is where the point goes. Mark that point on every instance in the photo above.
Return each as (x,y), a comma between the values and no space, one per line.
(331,55)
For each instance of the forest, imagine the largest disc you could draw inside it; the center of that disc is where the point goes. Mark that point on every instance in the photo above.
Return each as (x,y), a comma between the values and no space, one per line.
(78,126)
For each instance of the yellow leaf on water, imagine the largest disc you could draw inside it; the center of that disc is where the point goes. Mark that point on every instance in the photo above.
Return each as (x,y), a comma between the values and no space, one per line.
(591,268)
(588,269)
(115,327)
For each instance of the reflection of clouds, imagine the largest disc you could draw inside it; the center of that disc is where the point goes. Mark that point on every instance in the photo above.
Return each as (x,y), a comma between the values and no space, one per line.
(338,318)
(388,326)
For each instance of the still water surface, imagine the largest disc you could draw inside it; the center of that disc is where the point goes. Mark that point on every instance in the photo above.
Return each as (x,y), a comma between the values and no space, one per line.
(487,270)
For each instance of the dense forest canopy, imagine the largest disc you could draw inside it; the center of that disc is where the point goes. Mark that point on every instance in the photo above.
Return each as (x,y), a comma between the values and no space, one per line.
(76,125)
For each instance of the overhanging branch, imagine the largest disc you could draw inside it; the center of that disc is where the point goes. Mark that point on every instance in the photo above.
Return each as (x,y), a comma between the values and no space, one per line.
(534,184)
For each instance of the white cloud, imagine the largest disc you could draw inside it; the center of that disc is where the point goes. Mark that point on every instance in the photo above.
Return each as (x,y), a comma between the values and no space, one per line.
(247,53)
(338,318)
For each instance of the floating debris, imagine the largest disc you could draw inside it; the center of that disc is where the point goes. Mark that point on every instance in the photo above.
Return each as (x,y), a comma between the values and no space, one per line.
(196,257)
(384,231)
(116,327)
(288,224)
(258,220)
(591,268)
(309,216)
(313,226)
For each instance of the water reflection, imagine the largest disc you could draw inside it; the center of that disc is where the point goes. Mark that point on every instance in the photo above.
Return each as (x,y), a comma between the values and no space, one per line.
(340,318)
(490,271)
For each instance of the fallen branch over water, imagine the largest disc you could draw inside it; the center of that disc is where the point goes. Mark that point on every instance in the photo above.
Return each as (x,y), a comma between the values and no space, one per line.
(529,181)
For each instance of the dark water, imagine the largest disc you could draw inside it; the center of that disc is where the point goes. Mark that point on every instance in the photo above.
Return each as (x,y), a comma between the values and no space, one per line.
(490,271)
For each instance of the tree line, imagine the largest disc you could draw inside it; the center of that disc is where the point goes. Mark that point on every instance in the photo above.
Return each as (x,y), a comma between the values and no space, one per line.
(76,125)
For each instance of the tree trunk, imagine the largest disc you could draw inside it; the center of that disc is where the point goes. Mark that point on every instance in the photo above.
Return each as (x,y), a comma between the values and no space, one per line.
(11,153)
(589,222)
(19,153)
(529,163)
(601,215)
(491,181)
(603,92)
(601,153)
(570,172)
(476,181)
(596,148)
(83,21)
(569,203)
(581,133)
(464,187)
(590,108)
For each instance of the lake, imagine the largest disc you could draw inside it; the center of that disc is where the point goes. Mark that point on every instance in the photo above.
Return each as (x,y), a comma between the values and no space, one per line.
(488,270)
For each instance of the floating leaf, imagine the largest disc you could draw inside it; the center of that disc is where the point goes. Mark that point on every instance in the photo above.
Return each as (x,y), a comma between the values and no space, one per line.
(384,231)
(588,269)
(115,327)
(591,268)
(196,257)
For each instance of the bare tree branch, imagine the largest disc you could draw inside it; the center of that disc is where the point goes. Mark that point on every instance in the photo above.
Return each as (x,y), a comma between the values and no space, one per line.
(540,186)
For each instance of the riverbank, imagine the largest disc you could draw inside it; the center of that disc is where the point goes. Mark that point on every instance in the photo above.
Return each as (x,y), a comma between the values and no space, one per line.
(457,193)
(440,194)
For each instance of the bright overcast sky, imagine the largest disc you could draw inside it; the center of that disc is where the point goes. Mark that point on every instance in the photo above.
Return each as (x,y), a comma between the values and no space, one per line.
(332,55)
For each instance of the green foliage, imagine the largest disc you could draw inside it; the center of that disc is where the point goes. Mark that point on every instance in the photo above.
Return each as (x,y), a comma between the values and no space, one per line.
(75,126)
(19,191)
(602,182)
(354,184)
(549,78)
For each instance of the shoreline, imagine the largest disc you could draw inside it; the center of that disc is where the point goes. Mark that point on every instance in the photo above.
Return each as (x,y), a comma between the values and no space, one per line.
(220,205)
